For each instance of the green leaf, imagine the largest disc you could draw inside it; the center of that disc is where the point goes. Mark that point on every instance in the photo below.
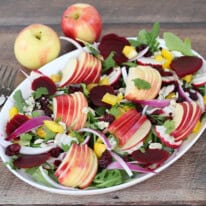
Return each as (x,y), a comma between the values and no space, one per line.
(36,113)
(36,175)
(174,43)
(141,84)
(108,178)
(25,139)
(65,147)
(85,90)
(19,101)
(115,111)
(40,92)
(108,62)
(169,125)
(130,64)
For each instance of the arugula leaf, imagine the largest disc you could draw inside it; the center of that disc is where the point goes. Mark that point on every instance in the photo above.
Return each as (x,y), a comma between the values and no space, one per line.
(130,64)
(141,84)
(169,125)
(40,92)
(108,62)
(108,178)
(65,147)
(148,38)
(115,111)
(173,42)
(36,113)
(36,175)
(19,101)
(85,90)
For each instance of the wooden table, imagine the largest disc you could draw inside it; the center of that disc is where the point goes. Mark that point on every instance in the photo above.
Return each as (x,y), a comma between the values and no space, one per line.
(184,183)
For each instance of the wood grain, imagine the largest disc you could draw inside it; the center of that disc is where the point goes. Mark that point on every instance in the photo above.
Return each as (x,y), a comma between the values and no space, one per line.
(184,183)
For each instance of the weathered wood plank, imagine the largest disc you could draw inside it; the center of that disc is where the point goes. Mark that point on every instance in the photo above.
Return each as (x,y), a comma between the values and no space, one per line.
(115,11)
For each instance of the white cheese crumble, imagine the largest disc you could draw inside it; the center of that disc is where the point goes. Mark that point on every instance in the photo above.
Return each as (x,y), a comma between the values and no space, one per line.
(155,145)
(102,124)
(63,139)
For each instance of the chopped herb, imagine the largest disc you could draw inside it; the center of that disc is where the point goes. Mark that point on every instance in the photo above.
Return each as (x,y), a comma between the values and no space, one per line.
(174,43)
(40,92)
(108,62)
(141,84)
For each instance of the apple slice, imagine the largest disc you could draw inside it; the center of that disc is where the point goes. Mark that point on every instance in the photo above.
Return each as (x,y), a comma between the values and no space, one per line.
(70,108)
(120,121)
(114,76)
(148,61)
(69,71)
(199,80)
(165,138)
(79,167)
(145,73)
(192,121)
(139,136)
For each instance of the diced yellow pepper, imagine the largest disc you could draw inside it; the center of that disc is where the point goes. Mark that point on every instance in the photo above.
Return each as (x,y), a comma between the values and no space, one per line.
(129,51)
(110,99)
(104,81)
(55,77)
(166,64)
(171,95)
(120,97)
(159,58)
(188,78)
(99,148)
(197,127)
(53,126)
(204,99)
(13,111)
(90,86)
(167,54)
(41,132)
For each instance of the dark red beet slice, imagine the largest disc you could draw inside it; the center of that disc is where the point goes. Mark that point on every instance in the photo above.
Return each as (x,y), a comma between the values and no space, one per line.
(98,92)
(29,161)
(46,82)
(150,156)
(113,42)
(186,65)
(15,122)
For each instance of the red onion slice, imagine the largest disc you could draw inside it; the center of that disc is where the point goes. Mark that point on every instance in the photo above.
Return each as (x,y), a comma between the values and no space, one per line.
(154,102)
(99,134)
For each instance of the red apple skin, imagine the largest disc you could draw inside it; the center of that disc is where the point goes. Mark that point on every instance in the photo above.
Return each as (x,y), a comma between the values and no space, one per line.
(82,21)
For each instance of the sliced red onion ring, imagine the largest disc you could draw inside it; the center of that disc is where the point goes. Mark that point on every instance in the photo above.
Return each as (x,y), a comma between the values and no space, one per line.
(122,163)
(132,167)
(72,41)
(140,54)
(86,140)
(99,134)
(182,93)
(52,182)
(124,74)
(155,102)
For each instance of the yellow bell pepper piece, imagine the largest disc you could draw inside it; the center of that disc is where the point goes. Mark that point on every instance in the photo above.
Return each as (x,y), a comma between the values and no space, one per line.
(197,127)
(167,54)
(171,95)
(99,148)
(90,86)
(111,99)
(188,78)
(55,77)
(159,58)
(204,99)
(13,111)
(53,126)
(129,51)
(104,81)
(40,132)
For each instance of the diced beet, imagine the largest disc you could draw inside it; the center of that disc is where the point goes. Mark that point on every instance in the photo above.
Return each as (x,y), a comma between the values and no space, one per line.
(55,152)
(15,122)
(150,156)
(46,82)
(29,161)
(185,65)
(105,159)
(113,43)
(107,118)
(98,92)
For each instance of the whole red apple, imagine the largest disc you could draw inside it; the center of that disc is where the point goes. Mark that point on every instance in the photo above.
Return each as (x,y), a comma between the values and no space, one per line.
(82,21)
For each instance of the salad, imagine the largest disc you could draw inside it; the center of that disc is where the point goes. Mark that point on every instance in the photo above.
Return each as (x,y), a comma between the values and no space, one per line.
(115,110)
